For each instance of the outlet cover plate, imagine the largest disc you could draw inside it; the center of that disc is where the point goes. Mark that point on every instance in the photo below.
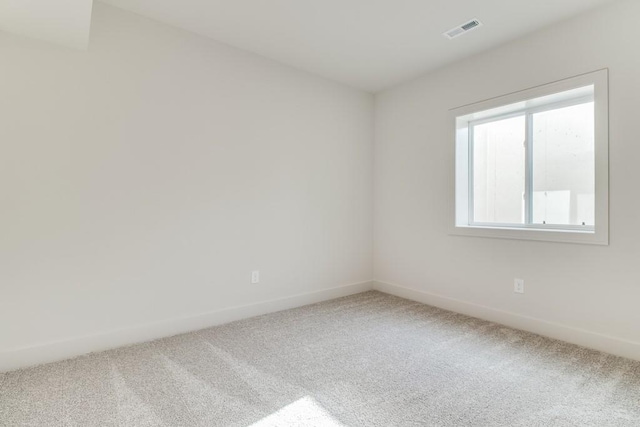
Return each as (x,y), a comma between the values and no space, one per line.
(518,286)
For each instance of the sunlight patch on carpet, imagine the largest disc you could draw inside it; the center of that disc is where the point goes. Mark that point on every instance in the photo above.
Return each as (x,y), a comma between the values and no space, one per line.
(305,411)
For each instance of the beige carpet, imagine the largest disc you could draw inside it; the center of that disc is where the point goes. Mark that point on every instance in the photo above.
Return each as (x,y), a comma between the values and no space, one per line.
(365,360)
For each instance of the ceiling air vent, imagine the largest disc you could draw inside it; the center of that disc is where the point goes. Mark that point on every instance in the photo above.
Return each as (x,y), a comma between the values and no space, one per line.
(462,29)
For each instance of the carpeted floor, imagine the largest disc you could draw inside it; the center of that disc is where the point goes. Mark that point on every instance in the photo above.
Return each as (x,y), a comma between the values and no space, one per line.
(364,360)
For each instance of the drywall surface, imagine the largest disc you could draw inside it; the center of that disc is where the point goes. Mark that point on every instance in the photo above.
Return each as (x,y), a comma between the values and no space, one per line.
(64,22)
(592,288)
(144,179)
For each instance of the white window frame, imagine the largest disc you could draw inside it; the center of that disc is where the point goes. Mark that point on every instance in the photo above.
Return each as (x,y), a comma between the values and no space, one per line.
(523,104)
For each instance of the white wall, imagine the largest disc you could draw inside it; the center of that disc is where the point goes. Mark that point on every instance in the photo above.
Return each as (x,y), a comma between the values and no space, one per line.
(143,180)
(590,294)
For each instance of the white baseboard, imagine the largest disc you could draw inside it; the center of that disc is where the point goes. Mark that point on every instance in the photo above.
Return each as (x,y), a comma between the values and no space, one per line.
(605,343)
(60,350)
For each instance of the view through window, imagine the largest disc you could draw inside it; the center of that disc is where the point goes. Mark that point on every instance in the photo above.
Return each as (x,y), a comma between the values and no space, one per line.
(558,161)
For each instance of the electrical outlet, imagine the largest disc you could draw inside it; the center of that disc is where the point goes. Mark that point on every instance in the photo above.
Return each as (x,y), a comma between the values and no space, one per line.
(255,277)
(518,286)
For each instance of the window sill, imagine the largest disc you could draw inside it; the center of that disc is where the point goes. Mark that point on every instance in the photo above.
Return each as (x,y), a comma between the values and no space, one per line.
(537,234)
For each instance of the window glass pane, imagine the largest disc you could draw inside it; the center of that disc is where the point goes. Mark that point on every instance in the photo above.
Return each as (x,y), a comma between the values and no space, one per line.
(564,166)
(498,171)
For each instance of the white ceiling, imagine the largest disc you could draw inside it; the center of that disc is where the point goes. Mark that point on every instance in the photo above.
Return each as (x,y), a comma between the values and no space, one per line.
(369,44)
(65,22)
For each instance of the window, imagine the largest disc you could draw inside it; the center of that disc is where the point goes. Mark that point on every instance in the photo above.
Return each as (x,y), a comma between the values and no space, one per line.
(534,164)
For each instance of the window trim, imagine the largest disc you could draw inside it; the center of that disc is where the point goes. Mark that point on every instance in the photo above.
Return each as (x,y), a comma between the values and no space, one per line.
(463,159)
